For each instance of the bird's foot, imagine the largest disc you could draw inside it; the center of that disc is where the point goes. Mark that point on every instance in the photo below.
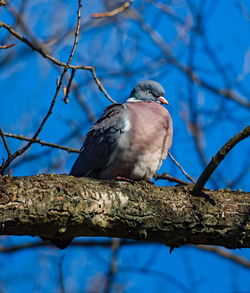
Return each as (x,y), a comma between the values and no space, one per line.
(120,178)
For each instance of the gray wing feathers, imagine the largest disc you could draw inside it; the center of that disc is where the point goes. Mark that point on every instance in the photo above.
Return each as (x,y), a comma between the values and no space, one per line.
(100,147)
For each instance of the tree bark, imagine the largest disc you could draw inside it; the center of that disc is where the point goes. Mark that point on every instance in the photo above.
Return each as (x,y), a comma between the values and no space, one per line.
(61,206)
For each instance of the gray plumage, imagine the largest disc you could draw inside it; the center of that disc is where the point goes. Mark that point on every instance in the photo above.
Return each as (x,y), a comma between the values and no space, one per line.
(129,140)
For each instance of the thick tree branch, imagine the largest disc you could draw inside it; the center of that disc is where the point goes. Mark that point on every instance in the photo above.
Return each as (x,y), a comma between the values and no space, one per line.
(64,206)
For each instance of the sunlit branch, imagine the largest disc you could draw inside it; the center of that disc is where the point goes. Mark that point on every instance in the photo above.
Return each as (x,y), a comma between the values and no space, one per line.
(120,9)
(7,46)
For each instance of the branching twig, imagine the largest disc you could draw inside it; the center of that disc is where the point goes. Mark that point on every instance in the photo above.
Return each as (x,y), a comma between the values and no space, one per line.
(216,160)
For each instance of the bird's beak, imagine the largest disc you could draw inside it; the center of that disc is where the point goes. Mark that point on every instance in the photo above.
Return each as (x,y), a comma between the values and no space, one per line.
(163,100)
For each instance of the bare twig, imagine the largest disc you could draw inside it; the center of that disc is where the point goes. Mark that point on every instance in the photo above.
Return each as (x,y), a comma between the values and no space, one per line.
(39,49)
(101,87)
(67,90)
(41,142)
(170,178)
(120,9)
(216,160)
(5,143)
(7,46)
(181,168)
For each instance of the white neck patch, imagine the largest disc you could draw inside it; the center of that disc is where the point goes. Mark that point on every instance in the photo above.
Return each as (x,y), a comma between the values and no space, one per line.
(132,99)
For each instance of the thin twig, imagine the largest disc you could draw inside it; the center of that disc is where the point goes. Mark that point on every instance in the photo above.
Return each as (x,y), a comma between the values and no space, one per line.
(41,142)
(170,178)
(5,142)
(181,168)
(120,9)
(216,160)
(67,90)
(101,87)
(7,46)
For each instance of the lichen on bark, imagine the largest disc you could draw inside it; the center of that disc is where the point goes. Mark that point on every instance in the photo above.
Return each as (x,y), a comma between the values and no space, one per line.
(61,206)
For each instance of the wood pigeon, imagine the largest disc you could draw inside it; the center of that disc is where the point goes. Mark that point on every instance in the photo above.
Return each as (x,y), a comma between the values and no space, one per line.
(129,141)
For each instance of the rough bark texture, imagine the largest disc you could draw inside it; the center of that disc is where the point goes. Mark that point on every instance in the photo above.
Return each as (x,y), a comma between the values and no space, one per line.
(61,206)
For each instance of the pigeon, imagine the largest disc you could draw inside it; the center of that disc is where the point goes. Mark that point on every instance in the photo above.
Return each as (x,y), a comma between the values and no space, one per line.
(128,142)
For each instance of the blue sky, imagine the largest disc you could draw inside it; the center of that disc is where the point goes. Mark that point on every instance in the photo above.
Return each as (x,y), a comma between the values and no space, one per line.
(124,54)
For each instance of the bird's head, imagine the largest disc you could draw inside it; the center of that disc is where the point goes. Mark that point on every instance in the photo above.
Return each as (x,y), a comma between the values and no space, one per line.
(148,90)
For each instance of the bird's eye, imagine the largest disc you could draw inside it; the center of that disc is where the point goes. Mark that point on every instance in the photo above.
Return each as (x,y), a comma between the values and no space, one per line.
(149,92)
